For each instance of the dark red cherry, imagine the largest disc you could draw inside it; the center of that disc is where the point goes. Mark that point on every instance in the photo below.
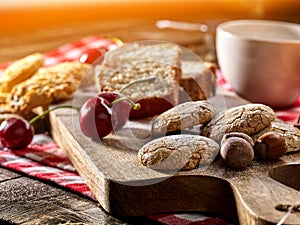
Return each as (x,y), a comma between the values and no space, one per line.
(16,133)
(95,118)
(94,55)
(121,109)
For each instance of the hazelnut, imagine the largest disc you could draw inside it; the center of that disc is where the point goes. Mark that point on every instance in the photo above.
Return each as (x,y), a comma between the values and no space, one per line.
(240,135)
(236,152)
(270,146)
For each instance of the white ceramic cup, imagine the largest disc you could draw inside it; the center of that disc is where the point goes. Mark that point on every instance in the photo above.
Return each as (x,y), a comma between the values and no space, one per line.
(261,60)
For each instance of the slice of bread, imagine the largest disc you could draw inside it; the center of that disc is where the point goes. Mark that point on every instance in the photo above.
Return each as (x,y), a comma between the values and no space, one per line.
(140,61)
(198,81)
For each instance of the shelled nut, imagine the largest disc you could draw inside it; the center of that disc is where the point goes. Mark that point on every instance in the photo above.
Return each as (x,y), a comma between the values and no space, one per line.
(270,146)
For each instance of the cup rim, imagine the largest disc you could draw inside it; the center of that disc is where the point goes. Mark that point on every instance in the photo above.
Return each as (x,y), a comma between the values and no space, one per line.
(223,28)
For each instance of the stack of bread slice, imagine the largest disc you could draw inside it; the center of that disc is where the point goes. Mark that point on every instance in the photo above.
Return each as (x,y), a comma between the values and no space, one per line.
(147,73)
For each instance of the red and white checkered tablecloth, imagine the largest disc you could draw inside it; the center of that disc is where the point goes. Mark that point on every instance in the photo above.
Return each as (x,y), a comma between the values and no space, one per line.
(44,160)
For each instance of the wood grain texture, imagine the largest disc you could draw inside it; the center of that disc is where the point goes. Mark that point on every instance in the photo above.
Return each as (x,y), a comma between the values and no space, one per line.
(7,175)
(110,168)
(28,201)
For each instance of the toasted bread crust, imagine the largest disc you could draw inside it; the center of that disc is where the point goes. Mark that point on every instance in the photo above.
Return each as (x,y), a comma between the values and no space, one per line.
(198,81)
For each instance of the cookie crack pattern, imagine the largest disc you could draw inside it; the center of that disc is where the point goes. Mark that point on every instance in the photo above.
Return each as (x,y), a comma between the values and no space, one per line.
(178,152)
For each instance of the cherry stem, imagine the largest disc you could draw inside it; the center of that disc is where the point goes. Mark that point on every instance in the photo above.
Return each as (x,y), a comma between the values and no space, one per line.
(114,39)
(135,106)
(51,109)
(142,80)
(297,125)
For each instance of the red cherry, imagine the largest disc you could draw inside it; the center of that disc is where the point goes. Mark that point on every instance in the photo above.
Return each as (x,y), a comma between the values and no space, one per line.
(16,133)
(95,118)
(121,109)
(94,55)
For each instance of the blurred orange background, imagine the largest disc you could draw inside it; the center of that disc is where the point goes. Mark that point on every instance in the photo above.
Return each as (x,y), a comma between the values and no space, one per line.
(18,15)
(42,25)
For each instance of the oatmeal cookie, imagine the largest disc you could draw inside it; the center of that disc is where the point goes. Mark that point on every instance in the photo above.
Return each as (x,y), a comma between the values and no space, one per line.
(248,119)
(177,152)
(46,86)
(20,71)
(3,97)
(184,115)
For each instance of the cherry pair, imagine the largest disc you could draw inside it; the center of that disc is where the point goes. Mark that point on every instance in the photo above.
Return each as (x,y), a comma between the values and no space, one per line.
(102,114)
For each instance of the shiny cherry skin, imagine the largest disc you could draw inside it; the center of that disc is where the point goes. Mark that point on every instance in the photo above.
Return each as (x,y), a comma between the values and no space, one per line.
(16,133)
(95,118)
(94,55)
(121,109)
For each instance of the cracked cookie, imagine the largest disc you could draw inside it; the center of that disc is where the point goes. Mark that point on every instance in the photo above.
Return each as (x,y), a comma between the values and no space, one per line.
(178,152)
(248,119)
(182,116)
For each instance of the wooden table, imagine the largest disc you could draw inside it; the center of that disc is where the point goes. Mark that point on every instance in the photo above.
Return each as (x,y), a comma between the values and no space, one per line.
(28,201)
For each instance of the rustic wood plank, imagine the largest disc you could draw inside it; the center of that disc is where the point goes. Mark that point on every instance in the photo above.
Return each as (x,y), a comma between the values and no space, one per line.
(28,201)
(7,175)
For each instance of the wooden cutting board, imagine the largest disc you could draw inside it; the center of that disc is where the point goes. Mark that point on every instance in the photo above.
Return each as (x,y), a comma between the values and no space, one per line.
(124,187)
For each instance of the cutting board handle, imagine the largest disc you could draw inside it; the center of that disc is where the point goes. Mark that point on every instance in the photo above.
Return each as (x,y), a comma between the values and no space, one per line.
(258,195)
